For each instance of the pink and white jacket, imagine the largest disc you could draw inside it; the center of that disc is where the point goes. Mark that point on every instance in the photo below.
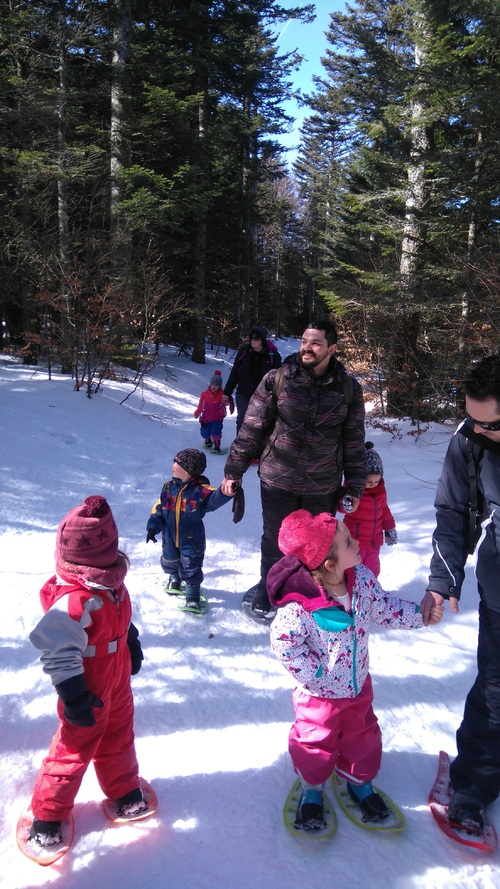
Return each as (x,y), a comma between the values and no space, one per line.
(324,647)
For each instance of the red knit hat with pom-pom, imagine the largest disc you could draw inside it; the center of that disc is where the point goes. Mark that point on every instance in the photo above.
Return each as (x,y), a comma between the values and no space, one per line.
(88,535)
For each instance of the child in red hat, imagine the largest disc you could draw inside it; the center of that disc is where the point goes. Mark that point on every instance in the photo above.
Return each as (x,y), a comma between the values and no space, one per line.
(325,602)
(211,411)
(90,649)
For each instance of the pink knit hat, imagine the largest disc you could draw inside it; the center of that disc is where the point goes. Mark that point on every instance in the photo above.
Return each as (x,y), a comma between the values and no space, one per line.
(88,535)
(307,537)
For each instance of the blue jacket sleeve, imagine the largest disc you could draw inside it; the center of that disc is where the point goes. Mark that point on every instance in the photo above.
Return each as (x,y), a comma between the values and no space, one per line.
(215,500)
(449,540)
(155,521)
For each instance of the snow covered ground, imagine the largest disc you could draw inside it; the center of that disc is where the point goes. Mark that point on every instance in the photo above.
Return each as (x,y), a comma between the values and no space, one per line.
(213,706)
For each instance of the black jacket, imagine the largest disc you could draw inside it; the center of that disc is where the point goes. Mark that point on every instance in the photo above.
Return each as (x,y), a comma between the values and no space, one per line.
(450,538)
(249,367)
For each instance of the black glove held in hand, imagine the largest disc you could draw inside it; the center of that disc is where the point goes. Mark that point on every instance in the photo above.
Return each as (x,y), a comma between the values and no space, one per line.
(151,536)
(78,701)
(238,505)
(135,648)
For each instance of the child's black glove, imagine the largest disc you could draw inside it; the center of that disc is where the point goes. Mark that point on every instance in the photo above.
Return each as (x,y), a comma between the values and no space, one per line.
(238,504)
(135,648)
(150,536)
(78,701)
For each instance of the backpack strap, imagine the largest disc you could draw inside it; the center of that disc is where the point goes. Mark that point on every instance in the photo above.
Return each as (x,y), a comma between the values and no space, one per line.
(474,454)
(279,381)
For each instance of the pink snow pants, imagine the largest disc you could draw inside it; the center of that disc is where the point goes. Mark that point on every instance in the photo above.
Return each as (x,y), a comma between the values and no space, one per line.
(109,743)
(335,734)
(370,558)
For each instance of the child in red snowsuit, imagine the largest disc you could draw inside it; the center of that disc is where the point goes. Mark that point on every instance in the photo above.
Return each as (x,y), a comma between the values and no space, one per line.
(90,648)
(211,411)
(373,519)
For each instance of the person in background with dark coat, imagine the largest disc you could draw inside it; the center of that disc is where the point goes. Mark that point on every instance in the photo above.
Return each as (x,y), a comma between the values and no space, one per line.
(253,360)
(475,773)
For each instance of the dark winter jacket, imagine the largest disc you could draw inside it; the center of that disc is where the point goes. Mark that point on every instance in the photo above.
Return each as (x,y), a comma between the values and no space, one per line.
(249,367)
(371,518)
(309,436)
(450,538)
(179,513)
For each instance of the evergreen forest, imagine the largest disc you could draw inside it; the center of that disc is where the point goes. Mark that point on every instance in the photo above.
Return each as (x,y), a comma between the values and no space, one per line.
(145,195)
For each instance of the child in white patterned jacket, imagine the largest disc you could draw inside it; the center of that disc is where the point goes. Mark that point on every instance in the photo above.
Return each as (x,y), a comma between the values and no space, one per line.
(326,601)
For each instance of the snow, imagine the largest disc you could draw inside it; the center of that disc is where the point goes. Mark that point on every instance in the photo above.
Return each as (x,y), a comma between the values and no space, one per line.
(213,705)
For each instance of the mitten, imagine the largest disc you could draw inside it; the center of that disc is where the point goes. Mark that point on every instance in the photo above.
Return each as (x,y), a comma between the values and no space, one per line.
(391,537)
(78,701)
(151,535)
(238,504)
(203,423)
(196,413)
(231,404)
(135,648)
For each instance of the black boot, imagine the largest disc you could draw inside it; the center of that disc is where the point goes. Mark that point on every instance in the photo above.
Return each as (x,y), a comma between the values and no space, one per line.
(466,813)
(373,807)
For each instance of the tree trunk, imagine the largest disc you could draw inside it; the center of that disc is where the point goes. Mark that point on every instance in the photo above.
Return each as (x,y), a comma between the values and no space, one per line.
(404,383)
(119,149)
(200,255)
(66,348)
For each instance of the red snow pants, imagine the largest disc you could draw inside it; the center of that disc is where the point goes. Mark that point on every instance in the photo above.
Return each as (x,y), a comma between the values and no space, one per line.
(340,734)
(109,744)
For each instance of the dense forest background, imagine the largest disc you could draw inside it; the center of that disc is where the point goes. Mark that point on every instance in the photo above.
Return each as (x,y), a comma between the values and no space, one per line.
(145,194)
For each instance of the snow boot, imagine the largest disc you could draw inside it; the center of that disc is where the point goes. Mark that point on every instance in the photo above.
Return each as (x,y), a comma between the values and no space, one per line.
(310,811)
(208,443)
(466,813)
(46,833)
(373,807)
(216,444)
(174,584)
(192,597)
(131,804)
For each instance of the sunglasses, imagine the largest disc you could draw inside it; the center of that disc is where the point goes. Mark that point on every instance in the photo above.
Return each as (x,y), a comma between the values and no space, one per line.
(489,427)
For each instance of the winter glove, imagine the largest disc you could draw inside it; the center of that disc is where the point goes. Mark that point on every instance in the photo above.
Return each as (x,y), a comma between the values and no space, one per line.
(151,535)
(238,504)
(231,404)
(78,701)
(196,414)
(203,423)
(391,537)
(135,648)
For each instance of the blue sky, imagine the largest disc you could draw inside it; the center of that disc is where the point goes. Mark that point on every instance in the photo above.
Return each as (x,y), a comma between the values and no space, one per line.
(310,41)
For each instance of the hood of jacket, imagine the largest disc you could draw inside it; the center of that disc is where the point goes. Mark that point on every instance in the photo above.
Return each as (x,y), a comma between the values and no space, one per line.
(288,576)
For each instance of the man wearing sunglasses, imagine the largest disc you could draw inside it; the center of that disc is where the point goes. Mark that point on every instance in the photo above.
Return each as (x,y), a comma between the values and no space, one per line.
(475,773)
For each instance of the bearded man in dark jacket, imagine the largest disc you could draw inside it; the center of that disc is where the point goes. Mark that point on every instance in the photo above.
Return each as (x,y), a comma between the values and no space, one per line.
(475,773)
(309,430)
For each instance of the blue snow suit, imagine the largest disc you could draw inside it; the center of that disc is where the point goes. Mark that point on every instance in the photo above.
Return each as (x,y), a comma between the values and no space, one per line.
(178,515)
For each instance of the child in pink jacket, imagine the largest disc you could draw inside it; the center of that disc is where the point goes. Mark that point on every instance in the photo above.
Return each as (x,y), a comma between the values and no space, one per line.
(326,601)
(211,411)
(373,519)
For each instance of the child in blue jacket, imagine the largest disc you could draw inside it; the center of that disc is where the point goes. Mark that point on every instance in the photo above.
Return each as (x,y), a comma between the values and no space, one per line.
(178,515)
